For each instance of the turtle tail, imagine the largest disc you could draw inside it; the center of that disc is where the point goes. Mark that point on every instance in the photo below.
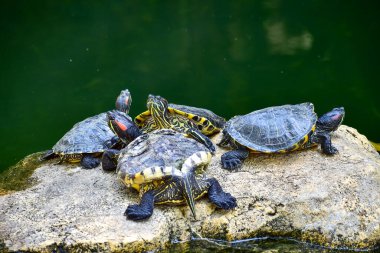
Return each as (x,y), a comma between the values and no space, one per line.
(196,160)
(188,194)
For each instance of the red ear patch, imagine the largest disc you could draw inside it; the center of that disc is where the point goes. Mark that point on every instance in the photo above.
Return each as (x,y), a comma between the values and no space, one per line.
(126,101)
(336,117)
(121,125)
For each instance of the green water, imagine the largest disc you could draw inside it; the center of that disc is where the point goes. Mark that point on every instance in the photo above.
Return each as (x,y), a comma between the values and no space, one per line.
(62,61)
(264,244)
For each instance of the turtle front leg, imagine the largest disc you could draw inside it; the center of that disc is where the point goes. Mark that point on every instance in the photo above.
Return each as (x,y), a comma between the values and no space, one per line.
(143,210)
(327,147)
(234,159)
(219,197)
(109,159)
(194,133)
(88,161)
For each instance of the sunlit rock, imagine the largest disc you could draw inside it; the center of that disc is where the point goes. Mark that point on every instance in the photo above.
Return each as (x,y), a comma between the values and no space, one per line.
(332,201)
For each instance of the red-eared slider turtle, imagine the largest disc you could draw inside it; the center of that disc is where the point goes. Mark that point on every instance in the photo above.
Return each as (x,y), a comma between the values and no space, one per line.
(89,138)
(159,117)
(278,129)
(207,121)
(165,167)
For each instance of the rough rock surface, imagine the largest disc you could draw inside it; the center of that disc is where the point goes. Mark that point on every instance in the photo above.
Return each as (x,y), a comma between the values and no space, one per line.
(330,201)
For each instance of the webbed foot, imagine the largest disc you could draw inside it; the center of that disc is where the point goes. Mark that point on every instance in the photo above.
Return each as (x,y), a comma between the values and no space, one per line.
(136,212)
(231,163)
(219,197)
(331,150)
(142,211)
(234,159)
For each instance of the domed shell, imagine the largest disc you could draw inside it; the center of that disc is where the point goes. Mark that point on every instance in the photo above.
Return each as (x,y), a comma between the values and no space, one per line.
(273,128)
(159,148)
(88,136)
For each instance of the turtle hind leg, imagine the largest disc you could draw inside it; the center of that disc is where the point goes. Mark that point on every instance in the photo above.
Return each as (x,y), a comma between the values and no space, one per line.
(143,210)
(219,197)
(234,159)
(88,161)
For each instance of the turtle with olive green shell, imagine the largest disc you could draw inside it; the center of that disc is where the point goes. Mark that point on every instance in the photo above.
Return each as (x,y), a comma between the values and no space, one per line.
(88,139)
(278,129)
(166,168)
(161,116)
(207,121)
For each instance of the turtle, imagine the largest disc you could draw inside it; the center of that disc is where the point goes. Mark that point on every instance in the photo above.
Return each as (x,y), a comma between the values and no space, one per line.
(88,139)
(207,121)
(165,167)
(278,129)
(182,119)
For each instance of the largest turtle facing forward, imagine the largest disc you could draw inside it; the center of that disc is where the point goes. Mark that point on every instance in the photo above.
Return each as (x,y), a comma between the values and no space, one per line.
(278,129)
(165,167)
(87,139)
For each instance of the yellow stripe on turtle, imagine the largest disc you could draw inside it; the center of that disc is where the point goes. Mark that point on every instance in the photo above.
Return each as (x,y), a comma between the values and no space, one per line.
(203,124)
(182,201)
(295,147)
(150,174)
(197,159)
(72,158)
(141,118)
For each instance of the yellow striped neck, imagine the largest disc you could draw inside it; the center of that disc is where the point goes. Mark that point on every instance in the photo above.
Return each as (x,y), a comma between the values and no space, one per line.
(160,119)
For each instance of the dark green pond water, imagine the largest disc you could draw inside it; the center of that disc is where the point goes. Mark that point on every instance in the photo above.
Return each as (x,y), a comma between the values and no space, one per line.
(62,61)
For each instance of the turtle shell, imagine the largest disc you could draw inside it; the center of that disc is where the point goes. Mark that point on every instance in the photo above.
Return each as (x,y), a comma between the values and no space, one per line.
(163,147)
(88,136)
(197,114)
(207,121)
(273,129)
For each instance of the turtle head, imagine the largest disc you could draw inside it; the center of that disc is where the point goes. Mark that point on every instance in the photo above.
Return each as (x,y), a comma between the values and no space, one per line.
(123,101)
(331,120)
(122,126)
(158,106)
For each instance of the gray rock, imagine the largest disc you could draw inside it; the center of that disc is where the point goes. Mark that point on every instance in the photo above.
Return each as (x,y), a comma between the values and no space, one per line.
(330,201)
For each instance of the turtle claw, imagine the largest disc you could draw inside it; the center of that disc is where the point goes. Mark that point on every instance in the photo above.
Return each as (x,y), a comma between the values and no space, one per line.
(136,212)
(142,211)
(231,164)
(224,200)
(234,159)
(331,151)
(219,197)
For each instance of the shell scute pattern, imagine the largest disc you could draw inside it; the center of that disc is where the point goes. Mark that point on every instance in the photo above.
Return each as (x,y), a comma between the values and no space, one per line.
(87,136)
(199,113)
(161,148)
(274,128)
